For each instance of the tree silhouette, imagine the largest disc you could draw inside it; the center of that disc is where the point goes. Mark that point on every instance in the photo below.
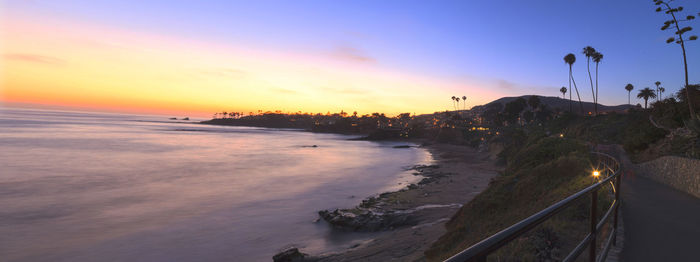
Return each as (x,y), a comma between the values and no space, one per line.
(658,85)
(513,108)
(645,94)
(528,116)
(563,91)
(464,100)
(570,59)
(679,32)
(588,51)
(629,88)
(661,92)
(597,57)
(457,103)
(453,102)
(534,102)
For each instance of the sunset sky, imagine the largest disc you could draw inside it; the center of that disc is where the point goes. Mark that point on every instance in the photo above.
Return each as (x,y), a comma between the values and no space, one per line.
(199,57)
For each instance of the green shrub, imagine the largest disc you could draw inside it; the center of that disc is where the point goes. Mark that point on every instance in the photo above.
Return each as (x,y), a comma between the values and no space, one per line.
(543,151)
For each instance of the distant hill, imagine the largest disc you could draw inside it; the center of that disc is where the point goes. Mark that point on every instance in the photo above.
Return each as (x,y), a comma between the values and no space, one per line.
(556,102)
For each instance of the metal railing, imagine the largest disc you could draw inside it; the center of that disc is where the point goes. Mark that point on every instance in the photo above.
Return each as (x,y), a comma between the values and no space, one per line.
(609,171)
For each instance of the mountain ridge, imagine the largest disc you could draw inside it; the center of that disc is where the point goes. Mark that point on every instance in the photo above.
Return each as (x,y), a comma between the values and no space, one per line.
(555,102)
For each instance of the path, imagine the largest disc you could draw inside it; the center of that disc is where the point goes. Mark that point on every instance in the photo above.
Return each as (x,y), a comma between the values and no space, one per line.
(661,223)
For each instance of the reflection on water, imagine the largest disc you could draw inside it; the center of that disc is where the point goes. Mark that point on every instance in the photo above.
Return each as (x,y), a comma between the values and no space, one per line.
(106,187)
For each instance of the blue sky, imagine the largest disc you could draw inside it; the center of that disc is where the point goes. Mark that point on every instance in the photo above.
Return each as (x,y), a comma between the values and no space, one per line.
(514,46)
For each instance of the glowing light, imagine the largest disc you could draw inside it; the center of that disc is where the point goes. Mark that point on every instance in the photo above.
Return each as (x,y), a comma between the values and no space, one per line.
(561,135)
(596,173)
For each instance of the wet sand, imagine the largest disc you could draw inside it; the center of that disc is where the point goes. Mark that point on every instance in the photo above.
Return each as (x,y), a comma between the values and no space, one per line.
(463,172)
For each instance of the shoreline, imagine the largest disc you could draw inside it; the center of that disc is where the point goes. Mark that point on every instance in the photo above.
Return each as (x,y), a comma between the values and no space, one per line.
(411,219)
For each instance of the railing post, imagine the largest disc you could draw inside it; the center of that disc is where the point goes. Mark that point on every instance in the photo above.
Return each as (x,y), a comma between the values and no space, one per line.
(618,179)
(594,222)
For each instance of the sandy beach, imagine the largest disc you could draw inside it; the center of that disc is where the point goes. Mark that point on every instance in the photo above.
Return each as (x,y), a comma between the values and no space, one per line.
(459,173)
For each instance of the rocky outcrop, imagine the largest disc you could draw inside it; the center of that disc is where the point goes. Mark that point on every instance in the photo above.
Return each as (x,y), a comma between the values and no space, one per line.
(292,255)
(359,219)
(374,215)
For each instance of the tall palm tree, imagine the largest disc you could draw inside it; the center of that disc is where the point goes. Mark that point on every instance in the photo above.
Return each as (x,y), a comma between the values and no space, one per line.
(453,102)
(464,100)
(588,51)
(563,91)
(629,88)
(570,59)
(661,92)
(645,94)
(457,98)
(597,57)
(658,85)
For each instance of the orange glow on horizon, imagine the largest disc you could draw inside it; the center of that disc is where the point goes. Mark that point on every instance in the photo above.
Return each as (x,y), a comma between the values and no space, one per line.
(57,63)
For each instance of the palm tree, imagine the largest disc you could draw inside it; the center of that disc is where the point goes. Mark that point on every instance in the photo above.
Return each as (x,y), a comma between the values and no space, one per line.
(597,56)
(464,100)
(563,91)
(629,88)
(457,98)
(645,94)
(570,59)
(661,92)
(657,83)
(453,102)
(588,51)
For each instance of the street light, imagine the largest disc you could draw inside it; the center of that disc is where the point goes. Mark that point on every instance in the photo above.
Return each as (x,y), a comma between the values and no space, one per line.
(596,176)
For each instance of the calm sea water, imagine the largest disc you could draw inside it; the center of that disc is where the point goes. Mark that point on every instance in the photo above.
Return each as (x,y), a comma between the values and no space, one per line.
(105,187)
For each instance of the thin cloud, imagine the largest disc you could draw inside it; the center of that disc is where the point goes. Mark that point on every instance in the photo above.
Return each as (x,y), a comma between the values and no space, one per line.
(506,85)
(514,88)
(34,58)
(352,54)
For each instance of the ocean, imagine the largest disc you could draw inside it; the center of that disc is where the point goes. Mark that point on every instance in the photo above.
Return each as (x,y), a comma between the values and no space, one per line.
(82,186)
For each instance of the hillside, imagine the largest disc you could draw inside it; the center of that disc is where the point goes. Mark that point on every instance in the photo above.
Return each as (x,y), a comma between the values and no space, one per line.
(553,103)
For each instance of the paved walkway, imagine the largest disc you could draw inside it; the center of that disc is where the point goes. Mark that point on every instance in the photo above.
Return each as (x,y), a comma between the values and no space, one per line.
(661,223)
